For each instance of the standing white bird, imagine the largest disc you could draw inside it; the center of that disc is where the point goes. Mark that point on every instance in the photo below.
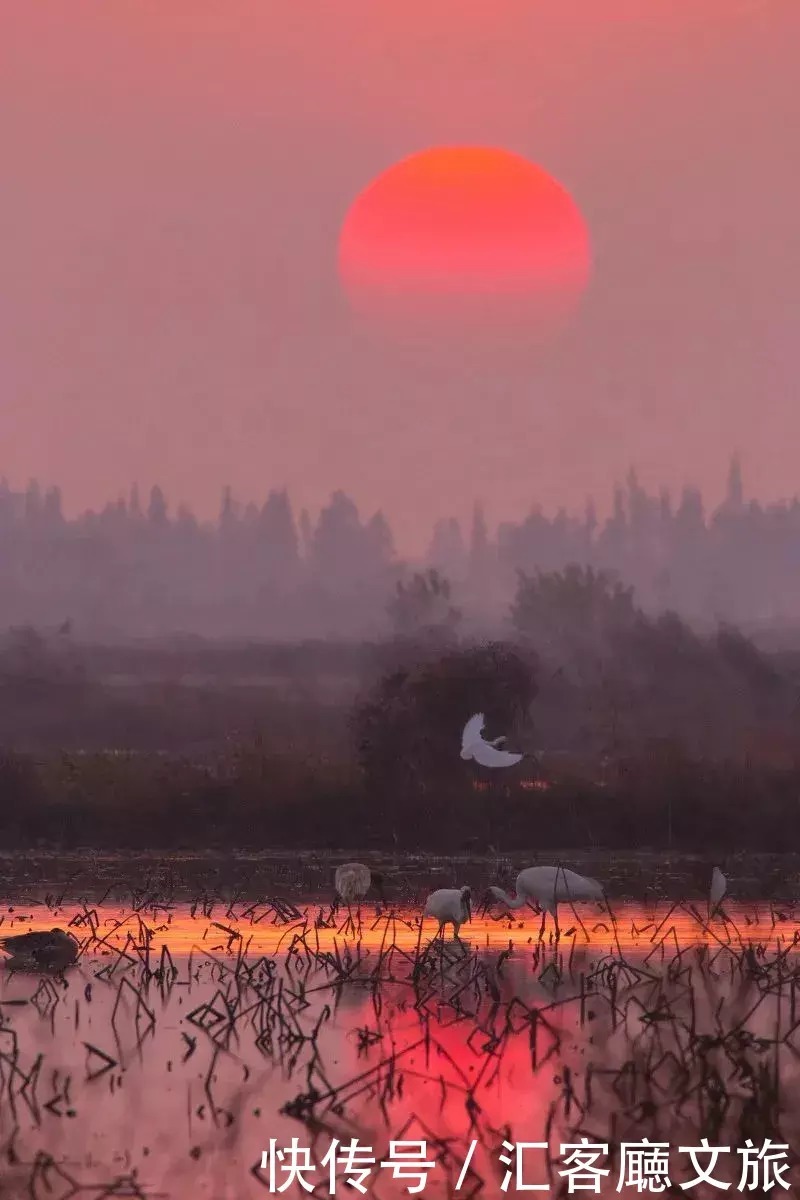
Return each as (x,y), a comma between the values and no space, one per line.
(450,906)
(719,886)
(353,880)
(473,745)
(547,886)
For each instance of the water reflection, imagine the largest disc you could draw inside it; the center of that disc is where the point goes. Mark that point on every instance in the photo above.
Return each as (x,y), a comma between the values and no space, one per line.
(181,1044)
(276,926)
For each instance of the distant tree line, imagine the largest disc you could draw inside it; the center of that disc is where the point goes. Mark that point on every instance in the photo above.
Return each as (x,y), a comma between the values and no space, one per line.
(263,570)
(584,671)
(666,736)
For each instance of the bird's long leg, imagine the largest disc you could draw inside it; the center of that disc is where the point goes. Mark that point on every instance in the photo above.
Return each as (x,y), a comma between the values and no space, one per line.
(541,927)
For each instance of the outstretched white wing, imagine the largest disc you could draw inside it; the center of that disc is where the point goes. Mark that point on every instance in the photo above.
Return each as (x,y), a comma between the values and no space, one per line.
(719,886)
(472,731)
(487,756)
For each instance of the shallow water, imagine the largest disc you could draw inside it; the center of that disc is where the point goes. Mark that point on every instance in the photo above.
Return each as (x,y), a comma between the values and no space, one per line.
(166,1059)
(646,876)
(273,927)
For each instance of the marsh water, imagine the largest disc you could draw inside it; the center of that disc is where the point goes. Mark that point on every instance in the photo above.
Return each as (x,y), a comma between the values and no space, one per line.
(195,1029)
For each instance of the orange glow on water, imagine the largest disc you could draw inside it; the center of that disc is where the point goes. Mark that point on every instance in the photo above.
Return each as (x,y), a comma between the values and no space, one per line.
(251,931)
(186,1082)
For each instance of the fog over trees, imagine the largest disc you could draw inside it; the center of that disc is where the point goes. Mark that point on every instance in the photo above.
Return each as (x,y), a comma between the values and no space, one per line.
(139,568)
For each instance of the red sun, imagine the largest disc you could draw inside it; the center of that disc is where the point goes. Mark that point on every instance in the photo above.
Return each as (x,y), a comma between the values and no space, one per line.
(465,233)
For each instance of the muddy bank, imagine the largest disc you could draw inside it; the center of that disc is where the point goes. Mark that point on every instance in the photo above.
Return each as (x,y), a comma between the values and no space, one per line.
(646,876)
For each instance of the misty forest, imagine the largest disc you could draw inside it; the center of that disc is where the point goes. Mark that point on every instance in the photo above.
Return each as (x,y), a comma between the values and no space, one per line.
(368,822)
(174,686)
(136,570)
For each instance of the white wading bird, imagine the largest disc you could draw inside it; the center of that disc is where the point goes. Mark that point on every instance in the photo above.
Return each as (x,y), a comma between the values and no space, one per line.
(449,906)
(352,882)
(719,886)
(473,745)
(547,886)
(44,950)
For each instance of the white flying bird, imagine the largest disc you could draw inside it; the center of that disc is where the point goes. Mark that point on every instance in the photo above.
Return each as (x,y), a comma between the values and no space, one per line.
(474,746)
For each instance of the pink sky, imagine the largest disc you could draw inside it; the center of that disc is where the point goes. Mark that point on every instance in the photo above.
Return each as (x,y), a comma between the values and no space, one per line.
(174,177)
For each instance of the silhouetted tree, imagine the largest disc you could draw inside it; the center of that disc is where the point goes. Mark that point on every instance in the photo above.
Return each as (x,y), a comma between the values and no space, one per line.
(25,659)
(479,549)
(52,513)
(120,572)
(277,532)
(734,493)
(407,730)
(337,542)
(228,513)
(33,502)
(447,552)
(760,676)
(186,521)
(422,607)
(379,540)
(134,503)
(578,606)
(157,508)
(31,664)
(306,534)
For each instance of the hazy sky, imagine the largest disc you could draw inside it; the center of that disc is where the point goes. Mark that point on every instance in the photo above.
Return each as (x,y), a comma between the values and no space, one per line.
(174,177)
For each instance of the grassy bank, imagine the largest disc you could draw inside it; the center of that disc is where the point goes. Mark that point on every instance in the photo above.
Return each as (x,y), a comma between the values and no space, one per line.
(249,799)
(637,732)
(306,876)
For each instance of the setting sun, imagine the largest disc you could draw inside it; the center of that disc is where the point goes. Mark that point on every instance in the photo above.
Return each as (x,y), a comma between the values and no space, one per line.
(465,229)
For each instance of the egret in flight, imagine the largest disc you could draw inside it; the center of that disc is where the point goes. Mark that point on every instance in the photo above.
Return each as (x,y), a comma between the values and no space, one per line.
(474,746)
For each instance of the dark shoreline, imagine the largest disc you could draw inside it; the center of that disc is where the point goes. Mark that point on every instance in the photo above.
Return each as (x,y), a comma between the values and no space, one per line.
(647,875)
